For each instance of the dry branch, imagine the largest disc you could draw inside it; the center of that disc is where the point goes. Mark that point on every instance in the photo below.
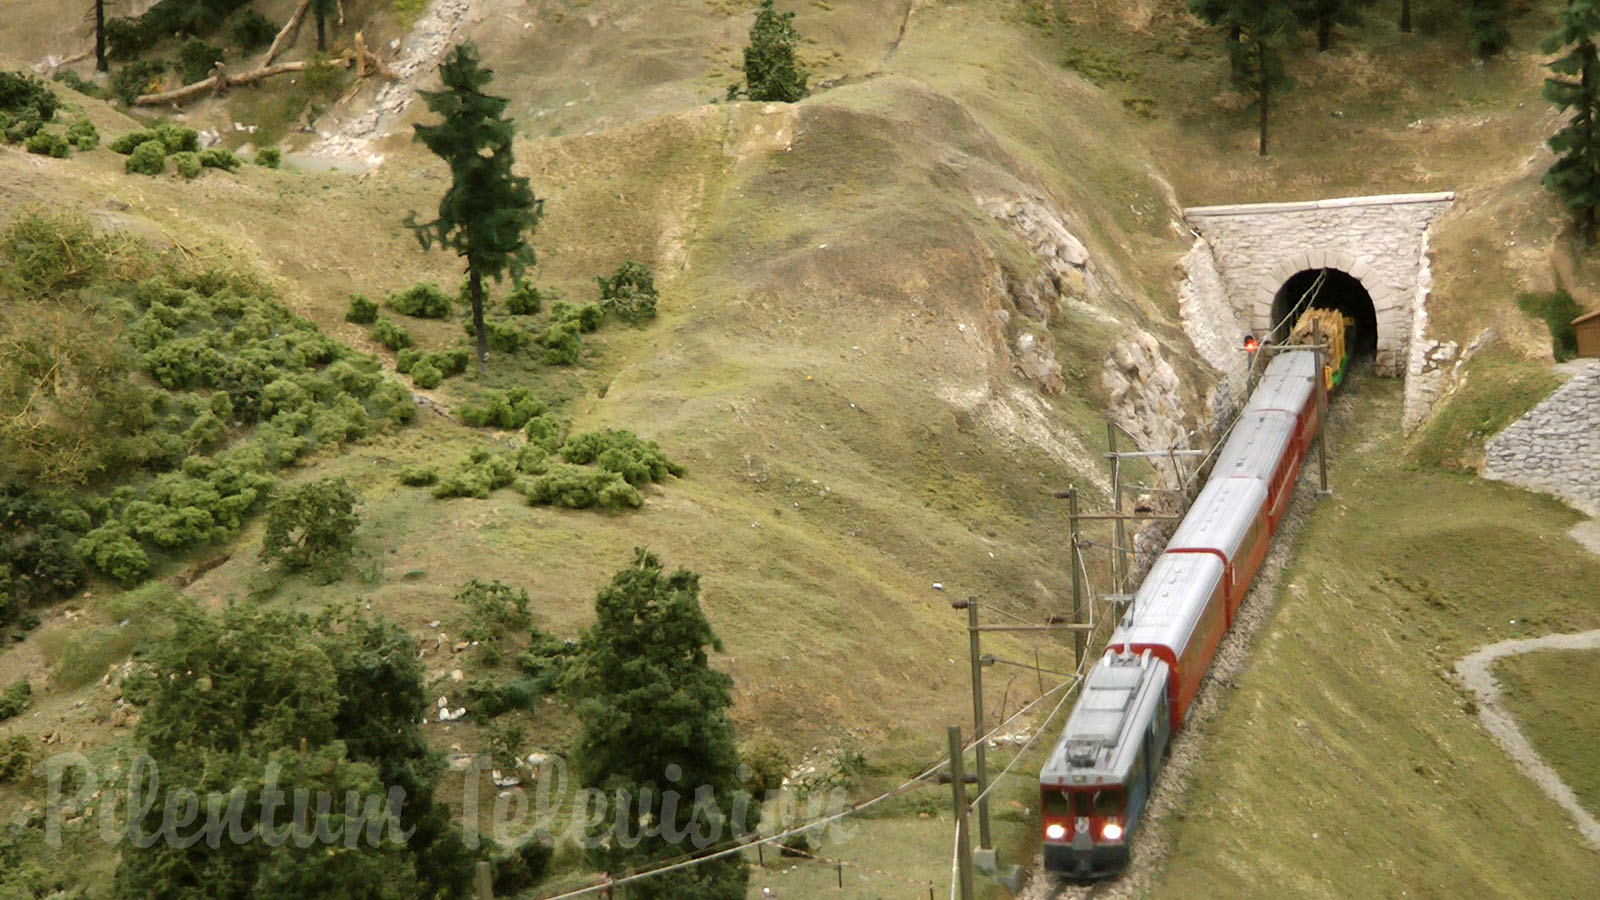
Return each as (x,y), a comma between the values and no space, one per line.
(222,81)
(279,43)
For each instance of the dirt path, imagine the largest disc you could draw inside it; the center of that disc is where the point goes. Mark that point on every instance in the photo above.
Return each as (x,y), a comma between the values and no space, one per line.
(1476,673)
(350,141)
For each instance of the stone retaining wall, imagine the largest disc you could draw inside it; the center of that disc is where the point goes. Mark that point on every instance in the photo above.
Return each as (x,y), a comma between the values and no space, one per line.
(1555,448)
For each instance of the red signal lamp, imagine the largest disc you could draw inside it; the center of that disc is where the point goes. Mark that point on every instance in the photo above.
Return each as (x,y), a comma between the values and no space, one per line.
(1251,345)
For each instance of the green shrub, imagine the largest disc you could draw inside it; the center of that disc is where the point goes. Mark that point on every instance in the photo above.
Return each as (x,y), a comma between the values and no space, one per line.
(127,143)
(505,336)
(614,450)
(80,84)
(251,30)
(503,409)
(135,78)
(426,375)
(546,432)
(772,70)
(406,360)
(524,299)
(218,158)
(586,318)
(115,552)
(487,698)
(15,698)
(423,301)
(492,608)
(582,487)
(519,868)
(270,157)
(149,158)
(187,164)
(630,293)
(480,474)
(361,310)
(130,36)
(177,138)
(46,143)
(419,476)
(531,459)
(23,95)
(312,527)
(83,134)
(387,333)
(21,129)
(561,344)
(450,362)
(196,59)
(17,756)
(1557,309)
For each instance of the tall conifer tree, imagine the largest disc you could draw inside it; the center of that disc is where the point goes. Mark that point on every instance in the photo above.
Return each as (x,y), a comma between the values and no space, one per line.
(1576,174)
(1257,30)
(1486,27)
(488,210)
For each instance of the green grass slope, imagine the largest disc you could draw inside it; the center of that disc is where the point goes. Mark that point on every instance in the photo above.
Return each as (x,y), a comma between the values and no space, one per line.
(1551,694)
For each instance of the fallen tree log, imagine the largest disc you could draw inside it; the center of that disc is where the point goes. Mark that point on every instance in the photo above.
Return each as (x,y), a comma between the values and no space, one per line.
(221,81)
(287,34)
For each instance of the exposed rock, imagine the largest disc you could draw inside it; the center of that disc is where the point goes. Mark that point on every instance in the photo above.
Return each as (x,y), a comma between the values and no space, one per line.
(1555,448)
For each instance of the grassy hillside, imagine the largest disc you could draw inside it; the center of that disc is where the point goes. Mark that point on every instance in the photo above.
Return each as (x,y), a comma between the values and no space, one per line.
(835,365)
(1546,692)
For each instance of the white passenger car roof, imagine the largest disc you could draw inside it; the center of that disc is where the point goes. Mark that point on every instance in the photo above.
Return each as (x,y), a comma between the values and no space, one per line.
(1256,445)
(1287,382)
(1171,600)
(1220,517)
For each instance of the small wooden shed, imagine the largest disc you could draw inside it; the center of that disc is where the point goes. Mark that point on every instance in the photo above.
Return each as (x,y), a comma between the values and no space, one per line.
(1587,327)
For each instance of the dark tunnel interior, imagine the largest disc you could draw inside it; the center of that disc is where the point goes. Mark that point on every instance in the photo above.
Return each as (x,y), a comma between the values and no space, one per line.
(1338,291)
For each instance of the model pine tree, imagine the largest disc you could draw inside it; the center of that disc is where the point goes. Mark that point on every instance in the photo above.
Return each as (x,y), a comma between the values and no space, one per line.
(1486,27)
(771,71)
(489,213)
(1323,15)
(323,9)
(1257,31)
(655,719)
(1575,177)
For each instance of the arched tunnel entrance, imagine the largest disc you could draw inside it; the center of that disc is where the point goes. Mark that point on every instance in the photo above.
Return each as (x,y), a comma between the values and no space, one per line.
(1337,290)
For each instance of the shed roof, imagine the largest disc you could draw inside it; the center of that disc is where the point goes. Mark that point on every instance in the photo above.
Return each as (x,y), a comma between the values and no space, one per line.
(1588,316)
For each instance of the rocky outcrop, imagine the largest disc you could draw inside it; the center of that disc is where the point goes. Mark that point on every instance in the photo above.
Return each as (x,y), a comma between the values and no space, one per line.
(1146,399)
(1555,448)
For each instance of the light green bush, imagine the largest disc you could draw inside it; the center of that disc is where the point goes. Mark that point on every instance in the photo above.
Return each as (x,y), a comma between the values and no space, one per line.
(187,164)
(149,158)
(361,310)
(423,301)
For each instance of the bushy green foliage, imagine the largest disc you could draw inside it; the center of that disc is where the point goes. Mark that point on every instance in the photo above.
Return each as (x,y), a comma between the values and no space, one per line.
(424,301)
(15,698)
(113,551)
(195,60)
(46,143)
(21,129)
(629,293)
(37,535)
(587,318)
(83,134)
(149,158)
(219,158)
(524,299)
(135,78)
(481,473)
(426,375)
(1486,27)
(487,698)
(647,696)
(1575,175)
(546,660)
(187,164)
(503,409)
(127,37)
(361,310)
(581,487)
(312,527)
(502,335)
(546,432)
(561,343)
(80,84)
(1557,309)
(330,704)
(17,756)
(419,476)
(531,459)
(517,869)
(492,609)
(270,157)
(22,95)
(772,71)
(251,30)
(620,451)
(406,360)
(387,333)
(449,362)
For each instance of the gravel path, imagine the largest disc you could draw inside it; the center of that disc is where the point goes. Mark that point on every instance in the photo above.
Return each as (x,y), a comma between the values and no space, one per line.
(1476,673)
(350,141)
(1153,841)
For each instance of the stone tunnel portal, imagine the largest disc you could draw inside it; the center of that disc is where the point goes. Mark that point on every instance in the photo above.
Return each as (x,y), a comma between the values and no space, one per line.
(1338,290)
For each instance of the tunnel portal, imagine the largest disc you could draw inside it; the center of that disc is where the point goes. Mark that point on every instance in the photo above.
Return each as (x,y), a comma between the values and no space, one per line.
(1328,289)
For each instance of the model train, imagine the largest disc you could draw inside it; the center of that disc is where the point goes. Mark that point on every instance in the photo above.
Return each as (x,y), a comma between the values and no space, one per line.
(1096,782)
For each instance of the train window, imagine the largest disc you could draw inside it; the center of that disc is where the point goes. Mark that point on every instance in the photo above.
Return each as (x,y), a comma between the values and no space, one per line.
(1108,802)
(1056,804)
(1080,803)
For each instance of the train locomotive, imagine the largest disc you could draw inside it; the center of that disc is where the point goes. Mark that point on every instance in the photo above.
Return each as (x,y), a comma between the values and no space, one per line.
(1098,777)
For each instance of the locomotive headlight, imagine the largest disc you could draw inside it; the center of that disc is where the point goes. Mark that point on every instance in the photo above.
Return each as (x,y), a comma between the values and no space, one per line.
(1112,831)
(1055,831)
